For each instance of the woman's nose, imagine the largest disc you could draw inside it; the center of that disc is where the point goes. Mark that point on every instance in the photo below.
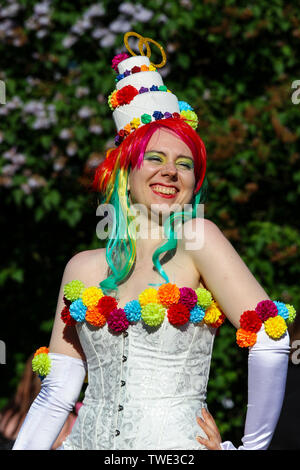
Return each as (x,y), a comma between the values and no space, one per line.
(169,169)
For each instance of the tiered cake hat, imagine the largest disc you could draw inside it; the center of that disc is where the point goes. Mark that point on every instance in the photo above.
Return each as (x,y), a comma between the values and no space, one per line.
(140,96)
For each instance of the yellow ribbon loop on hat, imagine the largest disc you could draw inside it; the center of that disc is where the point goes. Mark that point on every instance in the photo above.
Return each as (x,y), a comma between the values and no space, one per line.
(145,42)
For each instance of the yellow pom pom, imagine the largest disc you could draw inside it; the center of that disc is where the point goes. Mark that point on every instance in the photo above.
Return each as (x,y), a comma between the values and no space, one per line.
(91,296)
(212,314)
(275,327)
(148,296)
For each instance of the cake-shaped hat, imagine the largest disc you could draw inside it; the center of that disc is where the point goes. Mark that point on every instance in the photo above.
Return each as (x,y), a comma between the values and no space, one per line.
(140,96)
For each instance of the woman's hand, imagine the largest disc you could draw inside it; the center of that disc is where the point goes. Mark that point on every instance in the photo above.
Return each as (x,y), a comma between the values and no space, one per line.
(211,430)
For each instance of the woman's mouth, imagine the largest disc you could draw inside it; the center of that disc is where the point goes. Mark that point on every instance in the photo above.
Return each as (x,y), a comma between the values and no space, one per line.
(164,191)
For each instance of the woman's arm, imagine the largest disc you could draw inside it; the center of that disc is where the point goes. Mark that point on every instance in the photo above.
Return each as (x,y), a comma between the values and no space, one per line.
(61,387)
(236,290)
(225,274)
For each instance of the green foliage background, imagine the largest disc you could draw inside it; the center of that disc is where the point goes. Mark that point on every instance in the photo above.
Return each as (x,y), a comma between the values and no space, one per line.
(235,63)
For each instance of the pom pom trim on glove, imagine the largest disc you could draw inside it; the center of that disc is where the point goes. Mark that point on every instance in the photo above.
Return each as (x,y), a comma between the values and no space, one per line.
(41,362)
(274,315)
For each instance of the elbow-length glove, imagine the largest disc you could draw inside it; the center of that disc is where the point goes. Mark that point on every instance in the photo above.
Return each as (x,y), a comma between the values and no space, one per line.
(59,392)
(267,371)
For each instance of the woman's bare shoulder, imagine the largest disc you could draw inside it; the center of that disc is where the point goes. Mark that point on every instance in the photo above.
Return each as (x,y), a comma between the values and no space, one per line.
(89,266)
(197,232)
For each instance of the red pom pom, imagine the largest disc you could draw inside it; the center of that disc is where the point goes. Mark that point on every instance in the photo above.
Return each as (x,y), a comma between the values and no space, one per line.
(67,302)
(250,321)
(66,317)
(106,304)
(135,69)
(178,314)
(176,115)
(126,94)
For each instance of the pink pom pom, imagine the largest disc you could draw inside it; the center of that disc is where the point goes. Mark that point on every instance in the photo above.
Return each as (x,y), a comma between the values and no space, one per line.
(117,320)
(266,309)
(188,297)
(117,59)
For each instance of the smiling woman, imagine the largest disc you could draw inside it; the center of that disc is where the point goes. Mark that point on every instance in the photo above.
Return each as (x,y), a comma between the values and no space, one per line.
(148,350)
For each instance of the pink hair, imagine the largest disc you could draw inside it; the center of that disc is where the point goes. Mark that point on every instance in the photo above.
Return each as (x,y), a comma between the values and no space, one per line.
(131,152)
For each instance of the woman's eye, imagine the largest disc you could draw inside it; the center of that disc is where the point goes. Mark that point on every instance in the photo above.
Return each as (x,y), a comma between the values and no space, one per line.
(186,165)
(158,159)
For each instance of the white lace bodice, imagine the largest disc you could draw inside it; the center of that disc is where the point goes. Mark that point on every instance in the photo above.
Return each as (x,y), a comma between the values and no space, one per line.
(146,387)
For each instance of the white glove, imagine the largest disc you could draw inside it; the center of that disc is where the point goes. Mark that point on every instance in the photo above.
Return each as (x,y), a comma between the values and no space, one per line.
(59,392)
(267,371)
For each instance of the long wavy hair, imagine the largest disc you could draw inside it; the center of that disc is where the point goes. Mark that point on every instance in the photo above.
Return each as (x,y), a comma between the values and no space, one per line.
(110,181)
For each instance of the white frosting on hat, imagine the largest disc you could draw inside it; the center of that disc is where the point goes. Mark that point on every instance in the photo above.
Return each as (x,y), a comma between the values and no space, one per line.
(141,79)
(134,61)
(143,103)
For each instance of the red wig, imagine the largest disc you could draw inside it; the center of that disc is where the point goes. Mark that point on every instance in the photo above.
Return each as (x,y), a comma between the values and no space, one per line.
(131,152)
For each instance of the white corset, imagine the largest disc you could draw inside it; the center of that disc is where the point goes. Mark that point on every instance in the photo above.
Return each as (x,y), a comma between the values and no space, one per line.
(146,387)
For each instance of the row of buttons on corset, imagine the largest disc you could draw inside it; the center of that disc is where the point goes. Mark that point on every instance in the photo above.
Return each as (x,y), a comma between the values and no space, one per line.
(124,359)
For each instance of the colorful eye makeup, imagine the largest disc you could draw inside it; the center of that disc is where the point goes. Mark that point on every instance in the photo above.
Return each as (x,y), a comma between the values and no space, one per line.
(160,158)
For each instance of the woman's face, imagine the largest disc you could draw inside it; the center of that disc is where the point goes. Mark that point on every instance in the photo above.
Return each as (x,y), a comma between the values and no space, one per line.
(166,175)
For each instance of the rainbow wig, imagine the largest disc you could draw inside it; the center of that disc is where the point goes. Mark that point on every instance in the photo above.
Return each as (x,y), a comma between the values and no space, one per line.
(110,181)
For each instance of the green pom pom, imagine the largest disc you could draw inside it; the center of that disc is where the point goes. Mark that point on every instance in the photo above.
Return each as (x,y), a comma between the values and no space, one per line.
(153,314)
(190,117)
(73,290)
(41,364)
(162,88)
(292,314)
(146,118)
(204,297)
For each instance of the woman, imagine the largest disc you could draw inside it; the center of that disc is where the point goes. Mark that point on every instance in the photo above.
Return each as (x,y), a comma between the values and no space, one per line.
(148,350)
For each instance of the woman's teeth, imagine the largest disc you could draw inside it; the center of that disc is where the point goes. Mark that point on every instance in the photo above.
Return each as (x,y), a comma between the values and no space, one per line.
(164,190)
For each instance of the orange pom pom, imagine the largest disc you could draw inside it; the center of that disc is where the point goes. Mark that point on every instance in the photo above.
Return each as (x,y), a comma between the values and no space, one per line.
(168,294)
(41,350)
(94,317)
(245,338)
